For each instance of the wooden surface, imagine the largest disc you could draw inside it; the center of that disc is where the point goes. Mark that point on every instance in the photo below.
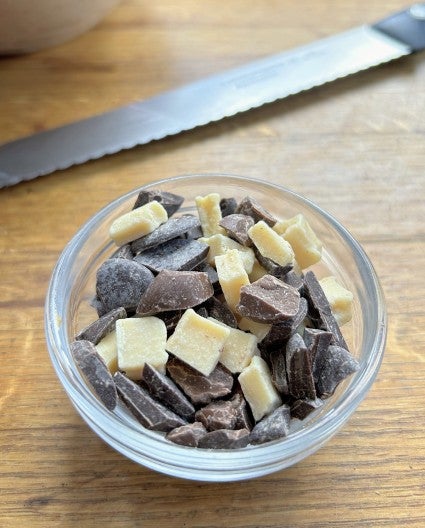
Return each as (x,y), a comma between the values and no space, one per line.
(356,147)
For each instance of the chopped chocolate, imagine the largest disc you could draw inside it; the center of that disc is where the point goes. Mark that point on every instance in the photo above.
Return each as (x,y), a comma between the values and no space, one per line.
(272,267)
(169,201)
(170,319)
(121,283)
(123,252)
(302,408)
(175,290)
(149,412)
(221,312)
(225,439)
(219,414)
(97,330)
(317,341)
(194,232)
(163,389)
(335,365)
(228,206)
(268,300)
(293,279)
(272,427)
(280,332)
(236,226)
(202,311)
(278,370)
(212,275)
(188,435)
(95,372)
(298,369)
(199,388)
(249,206)
(98,305)
(244,420)
(177,254)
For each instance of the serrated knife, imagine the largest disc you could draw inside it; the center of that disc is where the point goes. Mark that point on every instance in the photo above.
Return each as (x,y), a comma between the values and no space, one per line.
(213,98)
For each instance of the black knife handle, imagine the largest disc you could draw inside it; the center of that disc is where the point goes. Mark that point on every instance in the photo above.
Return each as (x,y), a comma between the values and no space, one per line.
(407,26)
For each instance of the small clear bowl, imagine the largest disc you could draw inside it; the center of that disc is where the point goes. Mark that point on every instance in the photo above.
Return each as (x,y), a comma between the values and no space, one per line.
(68,309)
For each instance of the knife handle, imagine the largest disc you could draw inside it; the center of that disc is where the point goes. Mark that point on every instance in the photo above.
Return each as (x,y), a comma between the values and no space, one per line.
(407,26)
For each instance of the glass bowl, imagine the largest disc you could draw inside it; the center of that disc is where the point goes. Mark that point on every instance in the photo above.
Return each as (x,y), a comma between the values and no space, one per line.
(68,309)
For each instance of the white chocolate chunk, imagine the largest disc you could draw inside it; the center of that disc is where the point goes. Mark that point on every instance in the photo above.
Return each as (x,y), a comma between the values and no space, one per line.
(107,350)
(270,244)
(257,271)
(137,223)
(258,389)
(221,244)
(297,231)
(141,340)
(232,276)
(198,341)
(209,213)
(260,330)
(340,299)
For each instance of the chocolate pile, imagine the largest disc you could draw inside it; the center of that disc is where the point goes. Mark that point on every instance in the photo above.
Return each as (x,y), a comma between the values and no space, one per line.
(208,329)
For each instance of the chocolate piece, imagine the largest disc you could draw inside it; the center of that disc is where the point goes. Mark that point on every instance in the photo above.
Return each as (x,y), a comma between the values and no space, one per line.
(177,254)
(121,283)
(169,201)
(202,311)
(278,369)
(194,232)
(188,435)
(317,341)
(228,206)
(170,319)
(173,228)
(293,279)
(237,226)
(95,372)
(272,267)
(221,312)
(302,408)
(280,332)
(150,413)
(199,388)
(249,206)
(98,305)
(217,415)
(175,290)
(243,418)
(163,389)
(298,369)
(212,275)
(123,252)
(268,300)
(320,305)
(272,427)
(336,364)
(225,439)
(97,330)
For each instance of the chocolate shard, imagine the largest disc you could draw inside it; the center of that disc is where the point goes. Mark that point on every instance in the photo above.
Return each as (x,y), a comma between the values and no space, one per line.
(272,427)
(243,418)
(163,389)
(212,275)
(281,331)
(194,232)
(121,283)
(225,439)
(272,267)
(236,226)
(268,300)
(97,330)
(293,279)
(188,435)
(199,388)
(219,414)
(95,372)
(317,341)
(228,206)
(169,201)
(221,312)
(149,412)
(336,364)
(302,408)
(249,206)
(173,228)
(298,369)
(278,371)
(170,319)
(179,254)
(175,290)
(123,252)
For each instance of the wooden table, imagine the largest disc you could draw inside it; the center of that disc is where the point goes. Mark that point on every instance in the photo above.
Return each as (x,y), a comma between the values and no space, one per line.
(356,147)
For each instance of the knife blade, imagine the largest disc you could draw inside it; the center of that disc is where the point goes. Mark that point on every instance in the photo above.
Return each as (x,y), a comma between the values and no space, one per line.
(211,99)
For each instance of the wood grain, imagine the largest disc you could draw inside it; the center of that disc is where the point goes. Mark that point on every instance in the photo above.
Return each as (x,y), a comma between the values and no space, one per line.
(356,147)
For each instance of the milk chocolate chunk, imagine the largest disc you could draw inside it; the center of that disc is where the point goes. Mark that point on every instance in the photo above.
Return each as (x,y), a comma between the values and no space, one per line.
(249,206)
(317,342)
(302,408)
(236,226)
(199,388)
(95,372)
(212,275)
(169,201)
(225,439)
(272,267)
(298,369)
(221,312)
(123,252)
(97,330)
(293,279)
(173,228)
(149,412)
(272,427)
(336,364)
(277,364)
(280,332)
(268,300)
(228,206)
(244,420)
(163,389)
(219,414)
(188,435)
(175,290)
(178,254)
(121,283)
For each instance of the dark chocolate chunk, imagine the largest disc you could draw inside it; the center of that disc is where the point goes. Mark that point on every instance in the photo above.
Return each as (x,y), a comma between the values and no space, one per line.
(98,305)
(293,279)
(228,206)
(243,418)
(170,319)
(272,427)
(123,252)
(219,414)
(249,206)
(278,371)
(199,388)
(188,435)
(163,389)
(202,311)
(336,364)
(177,254)
(97,330)
(121,283)
(173,228)
(149,412)
(317,341)
(225,439)
(175,290)
(272,267)
(95,372)
(280,332)
(298,369)
(221,312)
(169,201)
(194,232)
(236,226)
(302,408)
(268,300)
(212,275)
